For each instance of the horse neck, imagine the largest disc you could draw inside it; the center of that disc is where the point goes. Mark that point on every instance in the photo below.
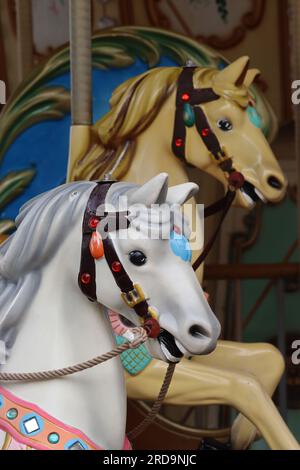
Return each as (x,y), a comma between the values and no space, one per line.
(62,328)
(153,150)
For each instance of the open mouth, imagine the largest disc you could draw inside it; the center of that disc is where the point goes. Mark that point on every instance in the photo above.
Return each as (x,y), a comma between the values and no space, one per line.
(251,194)
(166,341)
(169,347)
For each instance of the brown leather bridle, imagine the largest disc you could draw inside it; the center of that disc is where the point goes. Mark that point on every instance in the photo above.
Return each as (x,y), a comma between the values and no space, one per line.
(188,95)
(131,293)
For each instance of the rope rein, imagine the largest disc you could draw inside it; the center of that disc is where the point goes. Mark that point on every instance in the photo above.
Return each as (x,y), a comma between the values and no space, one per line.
(141,337)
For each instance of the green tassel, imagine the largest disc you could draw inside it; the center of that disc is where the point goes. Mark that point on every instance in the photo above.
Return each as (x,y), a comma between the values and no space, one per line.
(188,115)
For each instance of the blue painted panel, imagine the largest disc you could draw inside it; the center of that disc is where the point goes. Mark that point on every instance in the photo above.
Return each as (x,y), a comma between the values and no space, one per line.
(44,146)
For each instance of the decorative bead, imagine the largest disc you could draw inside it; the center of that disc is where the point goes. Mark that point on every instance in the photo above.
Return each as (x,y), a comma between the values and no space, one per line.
(116,267)
(185,97)
(93,222)
(188,115)
(152,327)
(85,278)
(12,413)
(53,438)
(179,142)
(236,179)
(205,132)
(96,246)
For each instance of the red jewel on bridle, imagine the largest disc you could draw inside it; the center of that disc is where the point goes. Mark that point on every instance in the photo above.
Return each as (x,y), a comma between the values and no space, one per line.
(205,132)
(179,142)
(85,278)
(236,180)
(93,222)
(152,327)
(185,97)
(116,266)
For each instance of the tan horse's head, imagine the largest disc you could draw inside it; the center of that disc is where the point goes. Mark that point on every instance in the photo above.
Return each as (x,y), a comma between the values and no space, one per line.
(147,103)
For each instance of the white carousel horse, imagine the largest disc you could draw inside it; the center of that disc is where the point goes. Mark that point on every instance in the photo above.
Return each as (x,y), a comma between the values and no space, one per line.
(47,323)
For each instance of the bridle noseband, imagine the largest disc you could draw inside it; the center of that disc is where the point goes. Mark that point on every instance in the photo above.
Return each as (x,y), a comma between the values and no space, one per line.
(131,293)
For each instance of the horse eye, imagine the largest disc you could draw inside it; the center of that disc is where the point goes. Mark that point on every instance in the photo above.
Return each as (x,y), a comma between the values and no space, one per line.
(138,258)
(225,125)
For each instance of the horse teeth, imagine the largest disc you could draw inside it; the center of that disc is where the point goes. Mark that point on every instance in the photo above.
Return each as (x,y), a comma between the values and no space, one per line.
(181,348)
(168,355)
(247,198)
(259,194)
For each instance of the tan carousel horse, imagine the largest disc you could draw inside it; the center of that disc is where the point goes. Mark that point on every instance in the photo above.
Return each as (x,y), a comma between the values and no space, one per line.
(133,142)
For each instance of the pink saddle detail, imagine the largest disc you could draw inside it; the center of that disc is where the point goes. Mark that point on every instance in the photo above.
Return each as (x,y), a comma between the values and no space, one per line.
(118,327)
(42,425)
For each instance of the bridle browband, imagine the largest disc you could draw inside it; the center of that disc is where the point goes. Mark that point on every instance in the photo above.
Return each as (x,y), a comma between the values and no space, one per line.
(131,293)
(189,99)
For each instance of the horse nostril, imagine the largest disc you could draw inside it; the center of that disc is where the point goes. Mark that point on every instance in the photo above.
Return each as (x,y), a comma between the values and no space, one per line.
(198,331)
(275,183)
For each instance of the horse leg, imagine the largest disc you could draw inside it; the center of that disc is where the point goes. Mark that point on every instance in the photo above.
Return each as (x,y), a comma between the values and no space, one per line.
(261,360)
(197,384)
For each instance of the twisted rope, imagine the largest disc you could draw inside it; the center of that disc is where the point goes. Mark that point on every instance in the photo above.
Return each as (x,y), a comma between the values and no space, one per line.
(140,338)
(156,406)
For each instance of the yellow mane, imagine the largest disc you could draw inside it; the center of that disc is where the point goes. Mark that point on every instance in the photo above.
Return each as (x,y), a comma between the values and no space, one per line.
(133,107)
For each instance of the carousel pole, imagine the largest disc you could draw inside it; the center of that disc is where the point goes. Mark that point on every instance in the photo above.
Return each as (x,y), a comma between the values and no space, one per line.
(24,38)
(81,80)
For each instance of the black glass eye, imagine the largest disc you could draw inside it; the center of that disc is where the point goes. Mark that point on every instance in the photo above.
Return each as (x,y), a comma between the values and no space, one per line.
(138,258)
(225,125)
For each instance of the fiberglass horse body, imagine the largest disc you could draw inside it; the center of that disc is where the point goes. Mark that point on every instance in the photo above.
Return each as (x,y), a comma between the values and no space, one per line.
(46,322)
(135,140)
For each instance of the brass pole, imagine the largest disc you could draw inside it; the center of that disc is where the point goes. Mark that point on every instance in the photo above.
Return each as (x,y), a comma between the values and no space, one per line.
(24,38)
(81,79)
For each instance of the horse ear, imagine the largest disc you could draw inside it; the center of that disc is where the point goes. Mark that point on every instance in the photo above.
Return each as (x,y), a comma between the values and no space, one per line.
(250,77)
(234,73)
(181,193)
(152,192)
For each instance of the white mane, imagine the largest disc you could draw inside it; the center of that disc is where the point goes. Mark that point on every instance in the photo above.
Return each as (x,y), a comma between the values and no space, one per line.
(31,246)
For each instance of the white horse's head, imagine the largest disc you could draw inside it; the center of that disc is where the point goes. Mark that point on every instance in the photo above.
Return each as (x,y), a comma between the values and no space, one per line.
(158,259)
(49,238)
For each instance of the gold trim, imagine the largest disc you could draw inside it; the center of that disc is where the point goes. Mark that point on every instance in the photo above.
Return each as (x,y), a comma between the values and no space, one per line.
(133,297)
(153,313)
